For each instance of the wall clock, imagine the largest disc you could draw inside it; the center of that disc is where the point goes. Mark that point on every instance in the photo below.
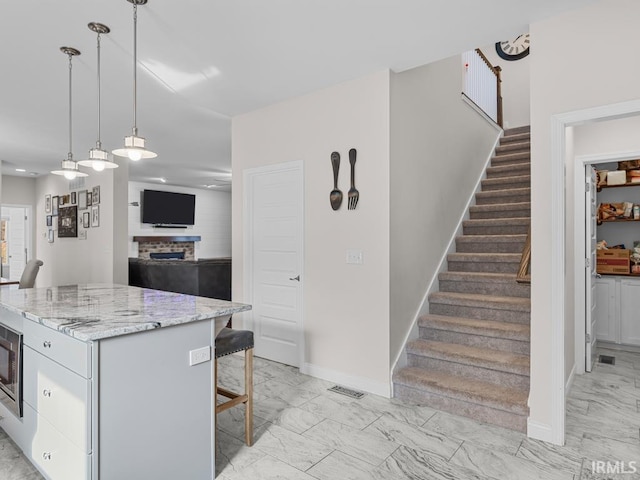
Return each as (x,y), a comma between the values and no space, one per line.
(514,49)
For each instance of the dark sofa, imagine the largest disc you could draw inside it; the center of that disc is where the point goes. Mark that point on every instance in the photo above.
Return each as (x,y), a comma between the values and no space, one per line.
(210,277)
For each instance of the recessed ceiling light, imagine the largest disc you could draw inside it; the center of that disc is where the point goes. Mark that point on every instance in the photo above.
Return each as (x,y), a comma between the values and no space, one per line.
(20,170)
(163,180)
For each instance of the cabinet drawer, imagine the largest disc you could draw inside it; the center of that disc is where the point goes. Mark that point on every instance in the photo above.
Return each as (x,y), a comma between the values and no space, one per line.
(53,453)
(73,354)
(60,396)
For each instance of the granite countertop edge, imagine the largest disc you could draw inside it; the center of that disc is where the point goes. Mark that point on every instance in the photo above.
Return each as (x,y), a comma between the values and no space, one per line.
(111,319)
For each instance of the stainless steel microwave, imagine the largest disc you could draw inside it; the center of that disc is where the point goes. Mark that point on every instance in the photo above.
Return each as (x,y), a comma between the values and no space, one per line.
(11,369)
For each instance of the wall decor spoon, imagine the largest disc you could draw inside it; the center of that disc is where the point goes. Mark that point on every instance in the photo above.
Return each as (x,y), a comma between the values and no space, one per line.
(335,197)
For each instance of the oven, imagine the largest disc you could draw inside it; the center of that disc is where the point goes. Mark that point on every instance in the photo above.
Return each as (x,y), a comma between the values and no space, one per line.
(11,369)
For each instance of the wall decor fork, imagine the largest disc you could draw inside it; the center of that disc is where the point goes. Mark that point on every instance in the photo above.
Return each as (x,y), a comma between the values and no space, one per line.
(353,195)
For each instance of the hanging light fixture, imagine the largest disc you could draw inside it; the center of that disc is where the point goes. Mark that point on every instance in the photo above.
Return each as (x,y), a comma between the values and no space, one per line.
(134,145)
(98,158)
(69,167)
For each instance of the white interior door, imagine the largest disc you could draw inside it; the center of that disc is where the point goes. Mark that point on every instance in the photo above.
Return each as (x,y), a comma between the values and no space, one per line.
(16,240)
(274,239)
(591,265)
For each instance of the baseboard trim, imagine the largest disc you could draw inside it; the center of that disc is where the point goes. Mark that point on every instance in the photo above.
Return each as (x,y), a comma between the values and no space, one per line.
(352,381)
(539,431)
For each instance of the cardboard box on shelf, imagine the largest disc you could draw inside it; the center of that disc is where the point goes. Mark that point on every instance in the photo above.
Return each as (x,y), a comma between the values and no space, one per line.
(615,260)
(617,177)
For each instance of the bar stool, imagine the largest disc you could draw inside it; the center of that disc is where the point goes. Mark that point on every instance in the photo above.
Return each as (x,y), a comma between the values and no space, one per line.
(227,342)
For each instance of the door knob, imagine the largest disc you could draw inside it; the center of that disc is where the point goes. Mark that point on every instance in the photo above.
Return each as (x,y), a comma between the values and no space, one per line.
(297,279)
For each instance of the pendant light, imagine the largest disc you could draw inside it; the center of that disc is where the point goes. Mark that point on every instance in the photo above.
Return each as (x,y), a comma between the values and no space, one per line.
(98,158)
(69,166)
(134,145)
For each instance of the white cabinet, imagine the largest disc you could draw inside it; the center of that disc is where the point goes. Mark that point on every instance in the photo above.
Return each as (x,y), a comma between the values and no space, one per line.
(630,311)
(618,309)
(57,403)
(606,324)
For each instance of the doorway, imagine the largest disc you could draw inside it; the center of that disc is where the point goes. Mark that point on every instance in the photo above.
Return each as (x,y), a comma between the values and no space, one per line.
(274,260)
(15,237)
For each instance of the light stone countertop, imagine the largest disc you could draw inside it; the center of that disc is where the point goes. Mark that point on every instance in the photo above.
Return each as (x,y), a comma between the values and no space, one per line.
(96,311)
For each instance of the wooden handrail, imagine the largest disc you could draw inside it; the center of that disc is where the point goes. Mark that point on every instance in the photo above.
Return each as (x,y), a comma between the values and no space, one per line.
(524,272)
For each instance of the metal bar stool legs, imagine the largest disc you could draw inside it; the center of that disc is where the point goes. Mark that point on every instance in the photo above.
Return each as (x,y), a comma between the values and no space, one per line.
(230,341)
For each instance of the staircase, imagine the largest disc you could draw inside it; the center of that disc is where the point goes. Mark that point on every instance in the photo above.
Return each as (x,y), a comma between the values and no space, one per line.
(472,354)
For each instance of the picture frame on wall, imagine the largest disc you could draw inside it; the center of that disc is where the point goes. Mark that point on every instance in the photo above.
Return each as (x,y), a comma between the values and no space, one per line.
(82,200)
(96,195)
(47,204)
(95,216)
(73,198)
(86,220)
(49,220)
(54,205)
(50,235)
(68,222)
(89,198)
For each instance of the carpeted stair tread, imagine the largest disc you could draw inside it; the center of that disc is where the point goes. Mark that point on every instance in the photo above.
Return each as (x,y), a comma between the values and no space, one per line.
(500,210)
(491,243)
(481,301)
(487,283)
(474,391)
(504,183)
(509,170)
(492,238)
(485,328)
(514,147)
(510,195)
(476,223)
(517,130)
(481,357)
(515,137)
(510,158)
(485,257)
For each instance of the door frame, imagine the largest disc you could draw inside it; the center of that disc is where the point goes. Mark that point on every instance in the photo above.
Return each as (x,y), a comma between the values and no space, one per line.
(557,254)
(29,236)
(580,253)
(248,177)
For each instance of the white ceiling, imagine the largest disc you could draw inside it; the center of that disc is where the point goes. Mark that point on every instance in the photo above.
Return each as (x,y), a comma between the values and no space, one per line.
(204,61)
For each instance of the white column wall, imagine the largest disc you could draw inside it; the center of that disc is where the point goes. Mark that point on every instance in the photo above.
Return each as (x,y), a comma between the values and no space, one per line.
(562,80)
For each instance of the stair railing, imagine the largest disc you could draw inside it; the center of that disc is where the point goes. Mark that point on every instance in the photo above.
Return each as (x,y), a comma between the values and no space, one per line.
(482,84)
(524,272)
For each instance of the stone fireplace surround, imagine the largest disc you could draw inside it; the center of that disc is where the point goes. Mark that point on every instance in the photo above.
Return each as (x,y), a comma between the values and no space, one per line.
(166,244)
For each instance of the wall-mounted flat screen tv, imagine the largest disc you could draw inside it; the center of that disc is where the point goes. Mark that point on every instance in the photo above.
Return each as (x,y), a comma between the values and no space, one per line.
(167,208)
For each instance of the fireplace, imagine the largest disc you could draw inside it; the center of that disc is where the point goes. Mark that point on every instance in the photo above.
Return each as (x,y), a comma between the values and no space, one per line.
(166,247)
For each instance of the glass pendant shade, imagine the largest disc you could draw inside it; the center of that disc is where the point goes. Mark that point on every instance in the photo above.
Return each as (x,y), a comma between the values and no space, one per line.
(134,146)
(98,158)
(69,168)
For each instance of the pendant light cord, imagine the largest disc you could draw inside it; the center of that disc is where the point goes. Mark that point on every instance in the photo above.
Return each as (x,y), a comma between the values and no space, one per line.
(99,143)
(70,155)
(135,65)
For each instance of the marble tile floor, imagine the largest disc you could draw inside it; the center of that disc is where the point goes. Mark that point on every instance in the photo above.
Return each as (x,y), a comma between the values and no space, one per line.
(304,432)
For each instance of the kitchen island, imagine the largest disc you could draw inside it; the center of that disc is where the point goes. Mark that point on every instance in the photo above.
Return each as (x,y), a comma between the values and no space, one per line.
(117,381)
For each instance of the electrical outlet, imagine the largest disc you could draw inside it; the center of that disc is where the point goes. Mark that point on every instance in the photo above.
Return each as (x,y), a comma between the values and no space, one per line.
(354,257)
(199,355)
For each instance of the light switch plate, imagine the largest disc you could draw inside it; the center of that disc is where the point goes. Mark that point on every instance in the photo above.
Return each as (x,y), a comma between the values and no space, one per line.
(354,256)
